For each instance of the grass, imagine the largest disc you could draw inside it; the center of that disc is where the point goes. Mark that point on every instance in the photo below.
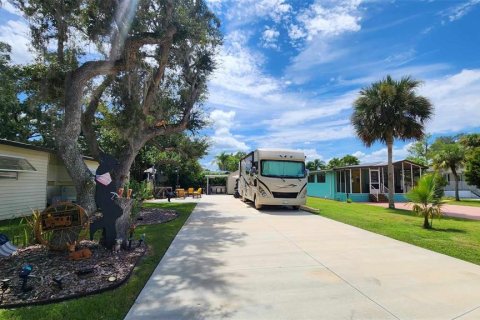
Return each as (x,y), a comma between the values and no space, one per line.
(455,237)
(116,303)
(463,202)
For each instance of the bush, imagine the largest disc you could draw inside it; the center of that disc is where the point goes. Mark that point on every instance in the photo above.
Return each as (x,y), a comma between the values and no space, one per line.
(349,200)
(140,190)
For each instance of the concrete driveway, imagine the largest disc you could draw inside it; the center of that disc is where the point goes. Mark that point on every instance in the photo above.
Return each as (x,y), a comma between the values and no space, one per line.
(231,261)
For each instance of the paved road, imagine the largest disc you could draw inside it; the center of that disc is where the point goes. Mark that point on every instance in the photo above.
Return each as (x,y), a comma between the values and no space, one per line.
(231,261)
(466,212)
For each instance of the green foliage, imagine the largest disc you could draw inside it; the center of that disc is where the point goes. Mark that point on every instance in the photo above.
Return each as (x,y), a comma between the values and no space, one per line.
(419,152)
(140,190)
(390,109)
(348,160)
(349,200)
(229,162)
(472,167)
(113,304)
(448,154)
(471,143)
(316,164)
(427,196)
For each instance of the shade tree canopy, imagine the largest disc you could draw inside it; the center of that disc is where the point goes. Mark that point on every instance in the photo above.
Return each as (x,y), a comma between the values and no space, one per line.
(147,62)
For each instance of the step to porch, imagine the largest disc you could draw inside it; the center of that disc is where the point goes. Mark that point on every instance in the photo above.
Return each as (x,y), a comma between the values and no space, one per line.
(382,198)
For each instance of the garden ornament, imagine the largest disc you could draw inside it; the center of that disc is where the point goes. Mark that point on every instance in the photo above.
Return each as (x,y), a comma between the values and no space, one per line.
(24,274)
(6,247)
(78,254)
(111,210)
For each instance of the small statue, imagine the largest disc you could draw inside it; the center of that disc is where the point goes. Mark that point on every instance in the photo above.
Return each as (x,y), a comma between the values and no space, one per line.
(24,274)
(5,284)
(142,240)
(80,254)
(117,246)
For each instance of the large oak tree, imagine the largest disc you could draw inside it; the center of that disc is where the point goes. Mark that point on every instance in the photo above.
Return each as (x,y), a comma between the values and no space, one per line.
(146,61)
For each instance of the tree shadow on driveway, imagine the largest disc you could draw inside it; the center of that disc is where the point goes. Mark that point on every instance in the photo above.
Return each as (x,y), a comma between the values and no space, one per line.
(191,281)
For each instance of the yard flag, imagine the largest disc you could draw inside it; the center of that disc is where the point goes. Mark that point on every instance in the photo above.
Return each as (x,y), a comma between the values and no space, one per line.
(104,179)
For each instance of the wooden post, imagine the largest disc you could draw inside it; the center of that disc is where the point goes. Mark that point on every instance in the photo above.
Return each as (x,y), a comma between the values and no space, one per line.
(403,178)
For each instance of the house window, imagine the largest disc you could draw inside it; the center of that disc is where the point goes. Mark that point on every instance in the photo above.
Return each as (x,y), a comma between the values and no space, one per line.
(15,164)
(8,175)
(321,177)
(311,178)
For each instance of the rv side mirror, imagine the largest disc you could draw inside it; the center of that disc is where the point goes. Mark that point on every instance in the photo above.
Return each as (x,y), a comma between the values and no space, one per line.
(307,172)
(253,171)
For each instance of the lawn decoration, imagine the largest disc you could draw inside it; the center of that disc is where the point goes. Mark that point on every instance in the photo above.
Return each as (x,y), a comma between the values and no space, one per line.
(6,247)
(5,284)
(114,220)
(65,220)
(58,281)
(24,274)
(142,240)
(78,254)
(117,246)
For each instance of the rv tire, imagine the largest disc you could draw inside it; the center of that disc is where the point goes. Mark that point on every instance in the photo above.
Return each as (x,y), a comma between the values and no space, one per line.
(257,206)
(295,207)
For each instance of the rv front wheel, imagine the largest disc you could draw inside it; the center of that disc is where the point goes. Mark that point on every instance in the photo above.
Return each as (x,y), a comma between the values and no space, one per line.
(257,206)
(295,207)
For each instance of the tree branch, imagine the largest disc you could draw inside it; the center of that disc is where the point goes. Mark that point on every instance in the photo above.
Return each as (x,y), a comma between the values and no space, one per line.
(88,118)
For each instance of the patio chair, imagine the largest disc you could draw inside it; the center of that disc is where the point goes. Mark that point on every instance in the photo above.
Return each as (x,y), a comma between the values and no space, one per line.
(190,192)
(198,193)
(180,193)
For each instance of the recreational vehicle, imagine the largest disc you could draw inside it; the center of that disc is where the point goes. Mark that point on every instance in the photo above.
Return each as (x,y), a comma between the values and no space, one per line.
(273,177)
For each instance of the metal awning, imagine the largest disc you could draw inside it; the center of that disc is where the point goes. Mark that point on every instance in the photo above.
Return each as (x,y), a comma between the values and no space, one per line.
(15,164)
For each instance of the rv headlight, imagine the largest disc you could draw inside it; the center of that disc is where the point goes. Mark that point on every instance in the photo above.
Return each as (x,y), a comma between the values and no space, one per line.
(303,193)
(262,192)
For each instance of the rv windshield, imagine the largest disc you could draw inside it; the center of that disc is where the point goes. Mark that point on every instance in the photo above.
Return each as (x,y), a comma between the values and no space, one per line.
(283,169)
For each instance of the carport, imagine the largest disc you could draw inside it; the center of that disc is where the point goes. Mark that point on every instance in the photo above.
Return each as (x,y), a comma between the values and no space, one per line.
(209,176)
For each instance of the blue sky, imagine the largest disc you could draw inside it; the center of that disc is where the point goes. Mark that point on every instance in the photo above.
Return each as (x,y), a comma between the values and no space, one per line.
(289,71)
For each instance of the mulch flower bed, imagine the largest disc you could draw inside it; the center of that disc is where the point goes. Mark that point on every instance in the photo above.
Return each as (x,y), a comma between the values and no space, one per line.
(155,215)
(103,271)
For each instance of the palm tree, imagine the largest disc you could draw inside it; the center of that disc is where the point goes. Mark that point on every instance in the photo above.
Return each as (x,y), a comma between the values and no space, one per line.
(222,160)
(389,110)
(426,196)
(316,164)
(449,156)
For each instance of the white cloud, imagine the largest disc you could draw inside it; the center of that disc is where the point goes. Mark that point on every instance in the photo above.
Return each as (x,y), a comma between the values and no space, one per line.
(270,38)
(456,99)
(319,27)
(243,12)
(460,10)
(381,155)
(7,6)
(323,109)
(320,20)
(223,138)
(311,154)
(17,34)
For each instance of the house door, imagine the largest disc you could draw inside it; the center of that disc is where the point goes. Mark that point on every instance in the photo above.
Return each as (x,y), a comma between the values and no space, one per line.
(374,180)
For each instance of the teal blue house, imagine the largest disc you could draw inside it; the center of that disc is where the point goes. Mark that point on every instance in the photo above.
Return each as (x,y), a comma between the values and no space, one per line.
(364,182)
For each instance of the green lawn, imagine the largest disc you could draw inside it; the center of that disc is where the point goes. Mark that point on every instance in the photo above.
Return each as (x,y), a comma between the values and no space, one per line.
(116,303)
(455,237)
(464,202)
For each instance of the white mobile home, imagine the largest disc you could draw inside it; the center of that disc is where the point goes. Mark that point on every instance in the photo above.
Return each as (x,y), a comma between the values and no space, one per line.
(32,177)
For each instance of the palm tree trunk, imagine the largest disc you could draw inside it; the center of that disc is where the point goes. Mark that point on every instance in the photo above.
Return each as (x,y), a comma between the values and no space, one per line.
(426,224)
(455,175)
(391,202)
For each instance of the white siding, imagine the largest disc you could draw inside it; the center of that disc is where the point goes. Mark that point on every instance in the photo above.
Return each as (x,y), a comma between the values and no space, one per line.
(19,197)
